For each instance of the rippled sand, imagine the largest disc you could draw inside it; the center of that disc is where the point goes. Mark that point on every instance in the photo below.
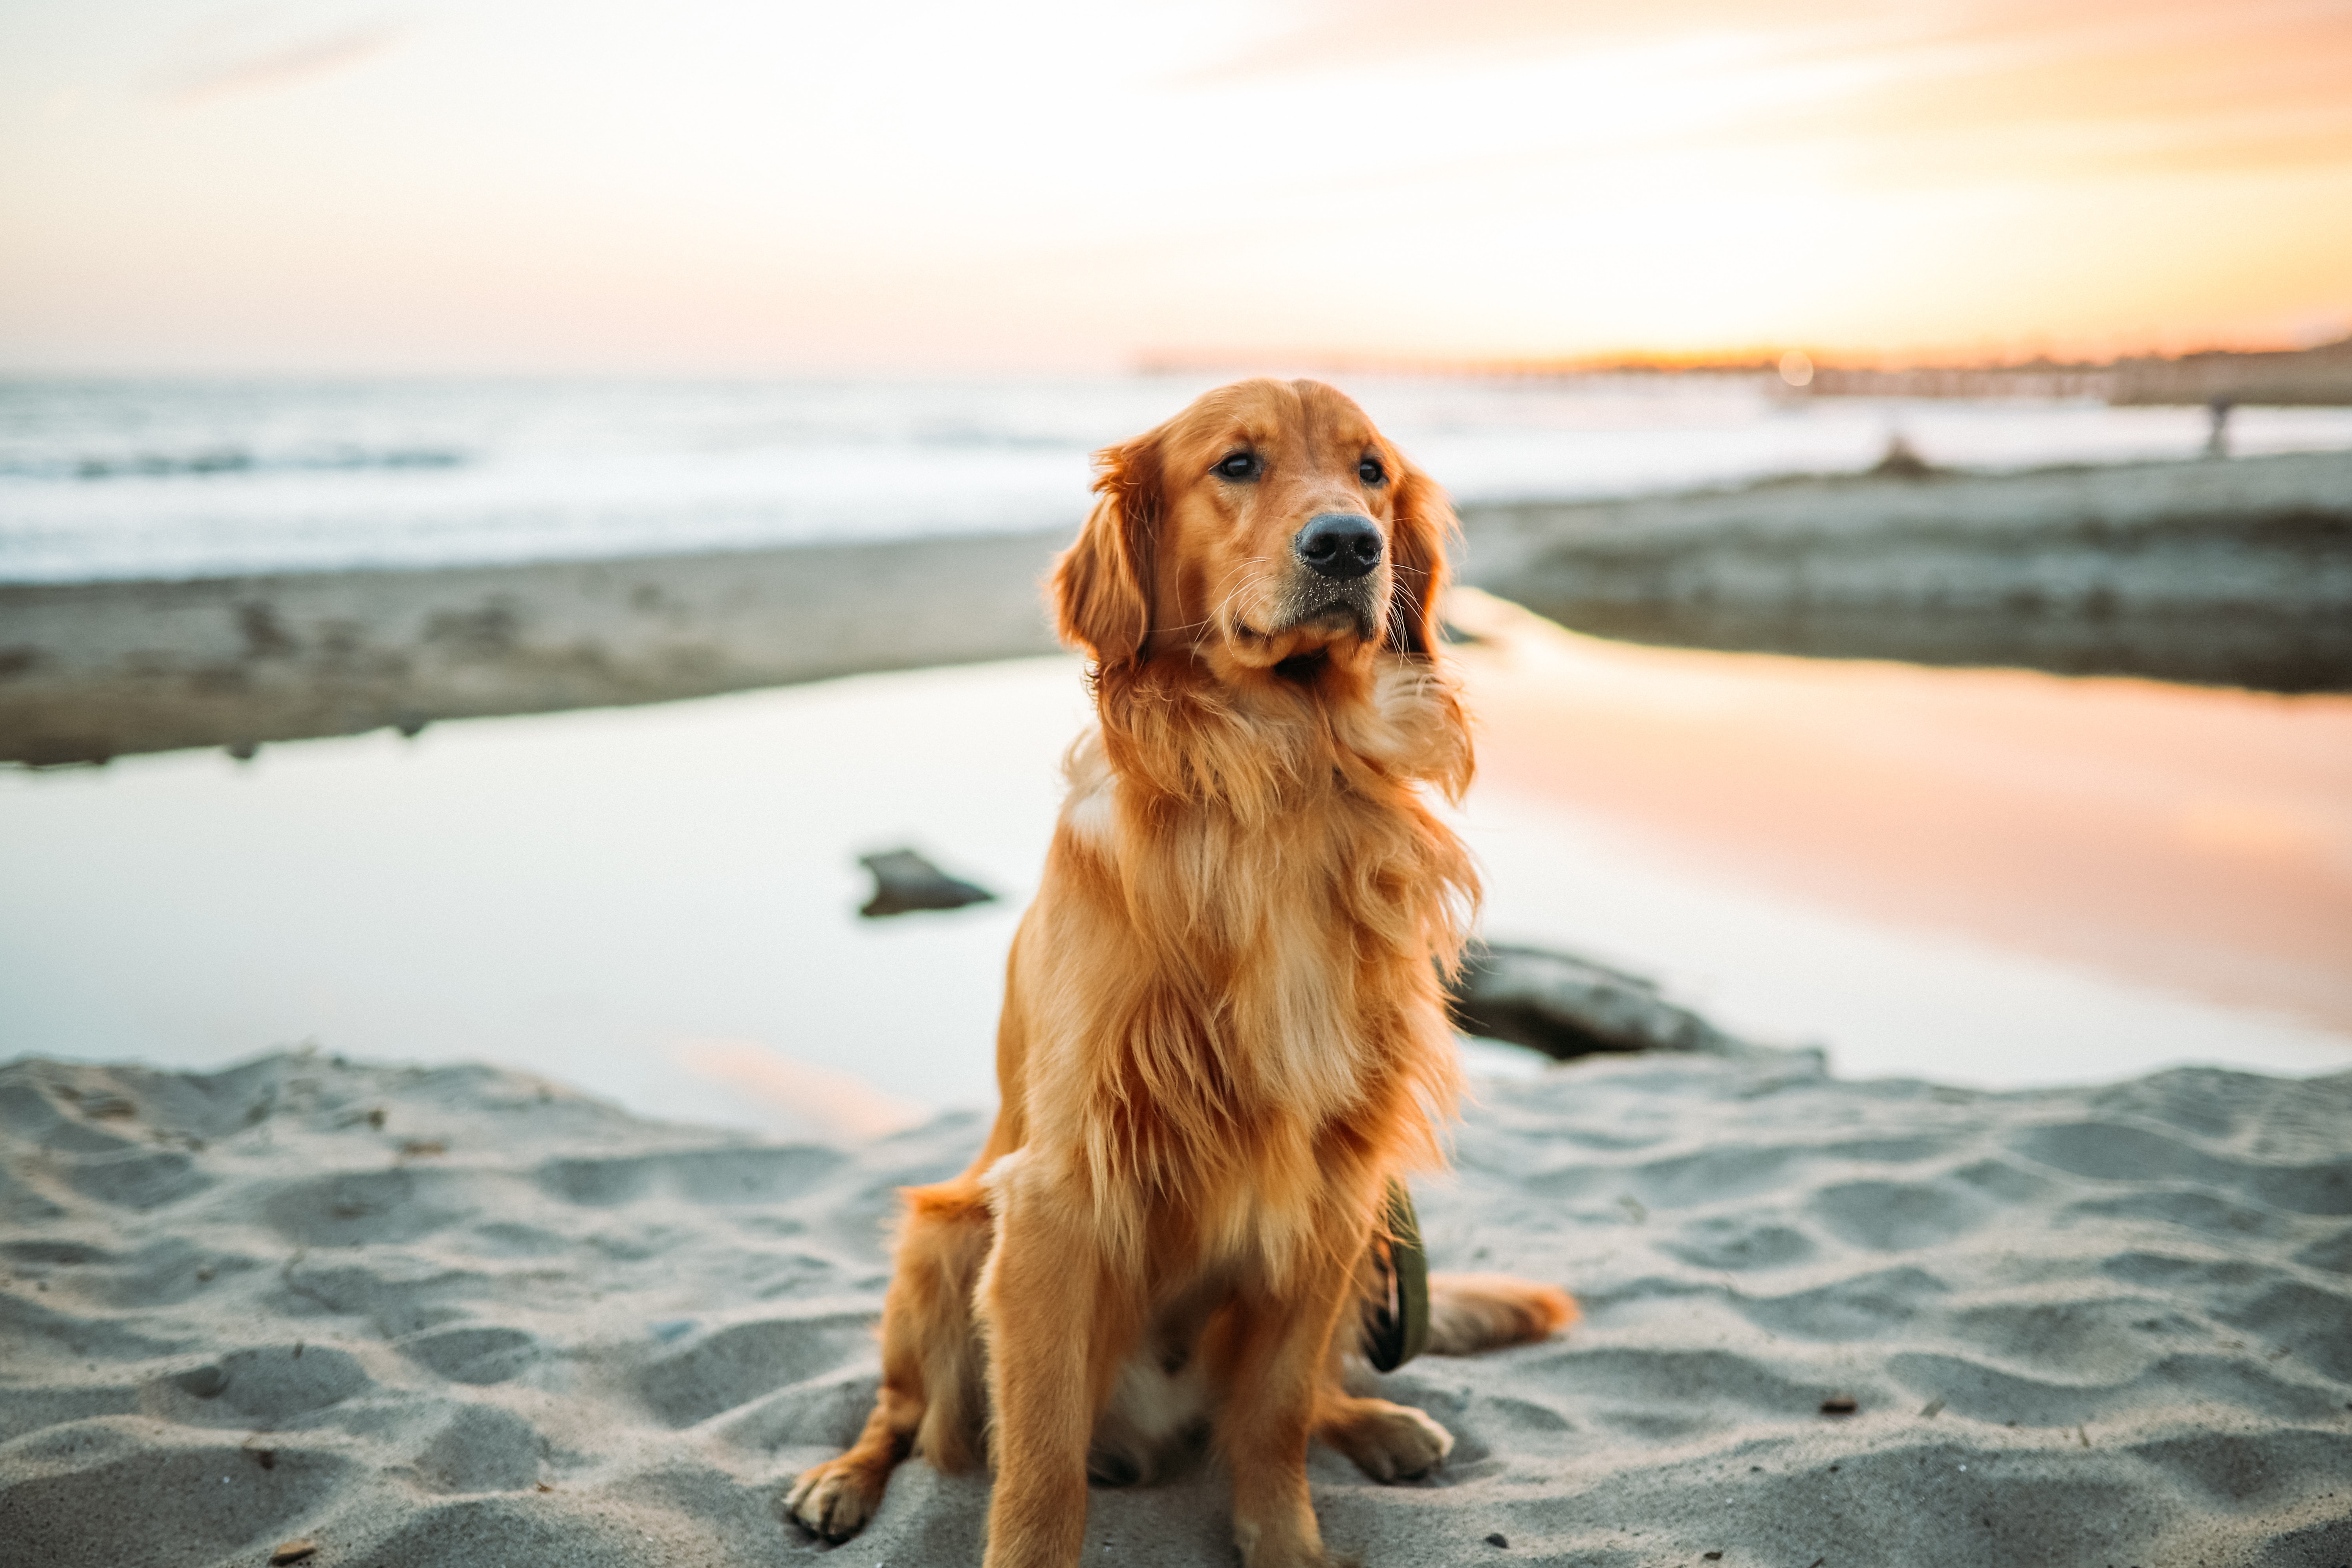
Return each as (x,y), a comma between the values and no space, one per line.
(463,1316)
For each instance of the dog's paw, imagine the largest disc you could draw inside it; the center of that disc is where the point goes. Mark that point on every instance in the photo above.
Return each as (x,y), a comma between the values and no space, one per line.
(1280,1548)
(1317,1559)
(1389,1442)
(834,1499)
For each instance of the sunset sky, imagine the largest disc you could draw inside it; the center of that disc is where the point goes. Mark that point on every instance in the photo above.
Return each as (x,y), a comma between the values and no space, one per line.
(1036,185)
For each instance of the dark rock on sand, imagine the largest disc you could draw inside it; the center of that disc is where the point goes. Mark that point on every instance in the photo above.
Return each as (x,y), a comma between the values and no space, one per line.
(903,881)
(1567,1006)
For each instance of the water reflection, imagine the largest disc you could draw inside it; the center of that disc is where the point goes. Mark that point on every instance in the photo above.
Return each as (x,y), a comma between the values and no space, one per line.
(1992,879)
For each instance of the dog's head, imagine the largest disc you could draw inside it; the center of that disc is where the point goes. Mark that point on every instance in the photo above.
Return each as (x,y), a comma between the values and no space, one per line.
(1268,529)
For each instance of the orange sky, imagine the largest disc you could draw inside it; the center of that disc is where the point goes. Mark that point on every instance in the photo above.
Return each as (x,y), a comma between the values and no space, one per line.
(749,185)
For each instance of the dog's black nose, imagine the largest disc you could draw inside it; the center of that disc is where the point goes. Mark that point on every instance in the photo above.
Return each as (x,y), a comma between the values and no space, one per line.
(1338,545)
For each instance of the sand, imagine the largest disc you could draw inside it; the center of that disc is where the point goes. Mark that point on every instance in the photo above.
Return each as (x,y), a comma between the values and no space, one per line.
(465,1316)
(100,669)
(2228,574)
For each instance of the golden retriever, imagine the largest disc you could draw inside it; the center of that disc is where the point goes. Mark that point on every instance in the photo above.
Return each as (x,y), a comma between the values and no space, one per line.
(1225,1031)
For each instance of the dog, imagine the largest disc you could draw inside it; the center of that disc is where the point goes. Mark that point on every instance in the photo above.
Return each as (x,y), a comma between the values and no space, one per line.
(1224,1037)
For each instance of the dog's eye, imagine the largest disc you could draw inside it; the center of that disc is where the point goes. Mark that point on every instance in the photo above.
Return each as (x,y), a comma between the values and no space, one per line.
(1240,465)
(1370,472)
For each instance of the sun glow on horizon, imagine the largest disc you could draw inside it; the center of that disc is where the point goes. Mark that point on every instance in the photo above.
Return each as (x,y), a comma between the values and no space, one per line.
(720,186)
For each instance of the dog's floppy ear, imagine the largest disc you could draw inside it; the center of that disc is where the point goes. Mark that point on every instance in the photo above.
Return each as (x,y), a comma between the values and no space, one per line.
(1102,585)
(1424,524)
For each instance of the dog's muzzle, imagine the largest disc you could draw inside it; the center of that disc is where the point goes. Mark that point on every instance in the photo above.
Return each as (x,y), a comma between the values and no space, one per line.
(1337,545)
(1338,553)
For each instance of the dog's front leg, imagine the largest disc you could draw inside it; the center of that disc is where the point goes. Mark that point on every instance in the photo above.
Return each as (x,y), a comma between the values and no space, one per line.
(1277,1356)
(1056,1331)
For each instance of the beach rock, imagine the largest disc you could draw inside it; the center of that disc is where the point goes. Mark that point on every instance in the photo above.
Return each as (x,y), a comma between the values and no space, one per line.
(905,881)
(1567,1006)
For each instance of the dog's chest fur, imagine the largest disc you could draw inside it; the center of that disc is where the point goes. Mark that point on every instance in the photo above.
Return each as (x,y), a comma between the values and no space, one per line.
(1260,947)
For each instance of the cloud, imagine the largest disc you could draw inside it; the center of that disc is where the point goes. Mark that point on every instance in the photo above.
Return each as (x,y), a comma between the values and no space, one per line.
(1352,34)
(2175,66)
(2166,90)
(1894,94)
(1980,62)
(261,50)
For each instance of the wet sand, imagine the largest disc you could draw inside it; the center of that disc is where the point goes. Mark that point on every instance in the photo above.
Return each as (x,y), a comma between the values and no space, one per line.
(2233,573)
(2236,572)
(94,671)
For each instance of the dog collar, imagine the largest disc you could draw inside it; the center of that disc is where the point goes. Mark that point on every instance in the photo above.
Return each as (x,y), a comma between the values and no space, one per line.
(1399,1328)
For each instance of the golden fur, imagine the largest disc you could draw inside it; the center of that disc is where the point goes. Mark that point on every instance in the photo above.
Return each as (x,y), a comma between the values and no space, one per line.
(1225,1028)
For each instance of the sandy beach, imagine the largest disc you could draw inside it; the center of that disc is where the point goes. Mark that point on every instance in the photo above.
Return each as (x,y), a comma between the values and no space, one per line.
(461,1316)
(533,705)
(406,1307)
(442,1315)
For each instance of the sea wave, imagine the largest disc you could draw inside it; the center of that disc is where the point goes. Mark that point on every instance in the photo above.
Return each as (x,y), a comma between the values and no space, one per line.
(221,460)
(163,479)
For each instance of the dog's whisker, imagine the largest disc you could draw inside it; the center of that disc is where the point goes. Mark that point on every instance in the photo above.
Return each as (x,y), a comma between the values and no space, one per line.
(1219,617)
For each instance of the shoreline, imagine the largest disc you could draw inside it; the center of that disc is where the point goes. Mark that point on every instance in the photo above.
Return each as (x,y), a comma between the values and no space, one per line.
(94,671)
(2201,571)
(660,902)
(2236,572)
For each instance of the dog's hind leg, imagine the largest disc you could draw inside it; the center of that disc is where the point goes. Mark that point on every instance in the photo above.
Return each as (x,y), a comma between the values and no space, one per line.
(931,1388)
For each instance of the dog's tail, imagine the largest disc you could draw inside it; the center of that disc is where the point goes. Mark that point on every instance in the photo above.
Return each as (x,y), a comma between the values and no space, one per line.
(1474,1313)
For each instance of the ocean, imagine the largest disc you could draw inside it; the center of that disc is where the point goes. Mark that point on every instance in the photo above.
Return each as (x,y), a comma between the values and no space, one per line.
(181,479)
